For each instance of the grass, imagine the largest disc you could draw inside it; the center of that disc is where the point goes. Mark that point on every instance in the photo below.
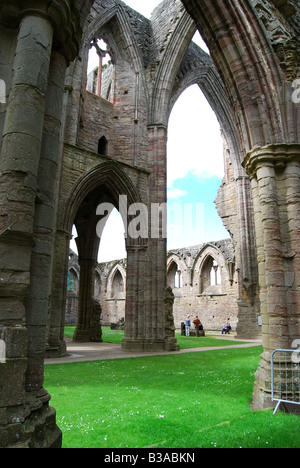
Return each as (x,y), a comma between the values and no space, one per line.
(116,336)
(195,400)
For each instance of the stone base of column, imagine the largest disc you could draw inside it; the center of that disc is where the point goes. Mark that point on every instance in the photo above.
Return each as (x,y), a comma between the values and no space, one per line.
(36,427)
(150,345)
(56,351)
(82,335)
(262,393)
(247,327)
(44,433)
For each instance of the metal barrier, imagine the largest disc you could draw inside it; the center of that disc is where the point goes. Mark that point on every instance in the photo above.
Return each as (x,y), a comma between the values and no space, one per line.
(285,365)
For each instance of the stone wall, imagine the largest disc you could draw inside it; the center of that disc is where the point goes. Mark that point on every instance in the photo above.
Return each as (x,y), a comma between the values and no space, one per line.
(189,273)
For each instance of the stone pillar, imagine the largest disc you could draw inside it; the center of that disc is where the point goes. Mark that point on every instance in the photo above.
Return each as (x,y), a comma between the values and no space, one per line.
(147,267)
(275,179)
(27,189)
(56,345)
(83,332)
(136,320)
(20,155)
(37,302)
(247,326)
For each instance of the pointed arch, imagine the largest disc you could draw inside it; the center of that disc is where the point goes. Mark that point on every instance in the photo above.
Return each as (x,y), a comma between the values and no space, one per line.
(116,12)
(117,266)
(247,64)
(176,271)
(108,176)
(170,62)
(117,285)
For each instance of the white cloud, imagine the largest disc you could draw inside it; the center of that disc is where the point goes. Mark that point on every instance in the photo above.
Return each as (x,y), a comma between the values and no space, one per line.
(195,143)
(174,193)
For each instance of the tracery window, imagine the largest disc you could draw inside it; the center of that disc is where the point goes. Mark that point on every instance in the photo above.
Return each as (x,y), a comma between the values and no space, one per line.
(100,70)
(117,285)
(174,276)
(210,275)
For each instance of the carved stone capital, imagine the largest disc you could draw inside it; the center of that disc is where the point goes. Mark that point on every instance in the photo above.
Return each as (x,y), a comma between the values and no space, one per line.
(277,156)
(64,19)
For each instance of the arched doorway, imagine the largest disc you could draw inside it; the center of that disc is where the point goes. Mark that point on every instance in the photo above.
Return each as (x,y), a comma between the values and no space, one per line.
(92,202)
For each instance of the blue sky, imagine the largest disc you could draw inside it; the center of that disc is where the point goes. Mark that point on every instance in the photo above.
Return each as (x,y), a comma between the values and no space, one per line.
(199,196)
(195,165)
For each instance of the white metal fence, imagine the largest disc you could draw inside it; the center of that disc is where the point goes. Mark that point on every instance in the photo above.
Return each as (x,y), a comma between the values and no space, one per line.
(285,377)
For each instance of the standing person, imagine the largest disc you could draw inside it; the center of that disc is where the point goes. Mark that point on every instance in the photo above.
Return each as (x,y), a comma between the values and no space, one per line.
(197,324)
(187,325)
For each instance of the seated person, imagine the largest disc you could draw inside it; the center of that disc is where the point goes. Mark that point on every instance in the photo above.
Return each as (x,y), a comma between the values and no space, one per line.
(226,328)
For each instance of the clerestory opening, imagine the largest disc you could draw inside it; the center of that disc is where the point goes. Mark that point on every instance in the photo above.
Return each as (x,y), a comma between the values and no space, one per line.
(100,73)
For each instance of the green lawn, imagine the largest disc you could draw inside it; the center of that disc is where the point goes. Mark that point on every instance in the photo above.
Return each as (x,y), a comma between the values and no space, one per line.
(173,401)
(115,336)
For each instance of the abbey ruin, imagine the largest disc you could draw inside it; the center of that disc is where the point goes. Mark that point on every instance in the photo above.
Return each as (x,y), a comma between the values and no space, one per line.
(203,279)
(67,145)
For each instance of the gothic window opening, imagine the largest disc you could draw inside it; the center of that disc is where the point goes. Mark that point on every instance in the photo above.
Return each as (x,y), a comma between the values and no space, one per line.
(175,279)
(73,280)
(103,146)
(100,73)
(215,275)
(70,281)
(117,289)
(210,276)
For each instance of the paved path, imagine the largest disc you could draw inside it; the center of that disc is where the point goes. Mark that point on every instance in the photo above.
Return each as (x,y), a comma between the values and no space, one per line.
(81,352)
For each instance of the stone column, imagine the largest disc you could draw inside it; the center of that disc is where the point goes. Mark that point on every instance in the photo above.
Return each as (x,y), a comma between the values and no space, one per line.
(147,268)
(158,164)
(37,302)
(247,326)
(20,155)
(56,345)
(86,293)
(136,321)
(275,178)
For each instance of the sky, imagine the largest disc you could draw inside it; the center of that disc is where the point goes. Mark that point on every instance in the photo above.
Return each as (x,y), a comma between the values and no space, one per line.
(195,171)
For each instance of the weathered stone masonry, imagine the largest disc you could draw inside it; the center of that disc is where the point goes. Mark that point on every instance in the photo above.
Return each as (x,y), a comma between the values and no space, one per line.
(51,175)
(203,279)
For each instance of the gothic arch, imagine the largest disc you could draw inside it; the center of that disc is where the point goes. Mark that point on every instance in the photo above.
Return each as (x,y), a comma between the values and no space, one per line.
(116,283)
(249,68)
(103,146)
(224,260)
(108,175)
(204,74)
(73,279)
(109,280)
(171,59)
(116,12)
(177,271)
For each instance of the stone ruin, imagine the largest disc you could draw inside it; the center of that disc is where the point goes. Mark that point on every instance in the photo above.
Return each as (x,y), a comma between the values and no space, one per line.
(64,150)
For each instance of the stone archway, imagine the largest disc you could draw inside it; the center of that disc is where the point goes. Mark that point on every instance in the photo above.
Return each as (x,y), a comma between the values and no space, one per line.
(256,53)
(245,43)
(103,184)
